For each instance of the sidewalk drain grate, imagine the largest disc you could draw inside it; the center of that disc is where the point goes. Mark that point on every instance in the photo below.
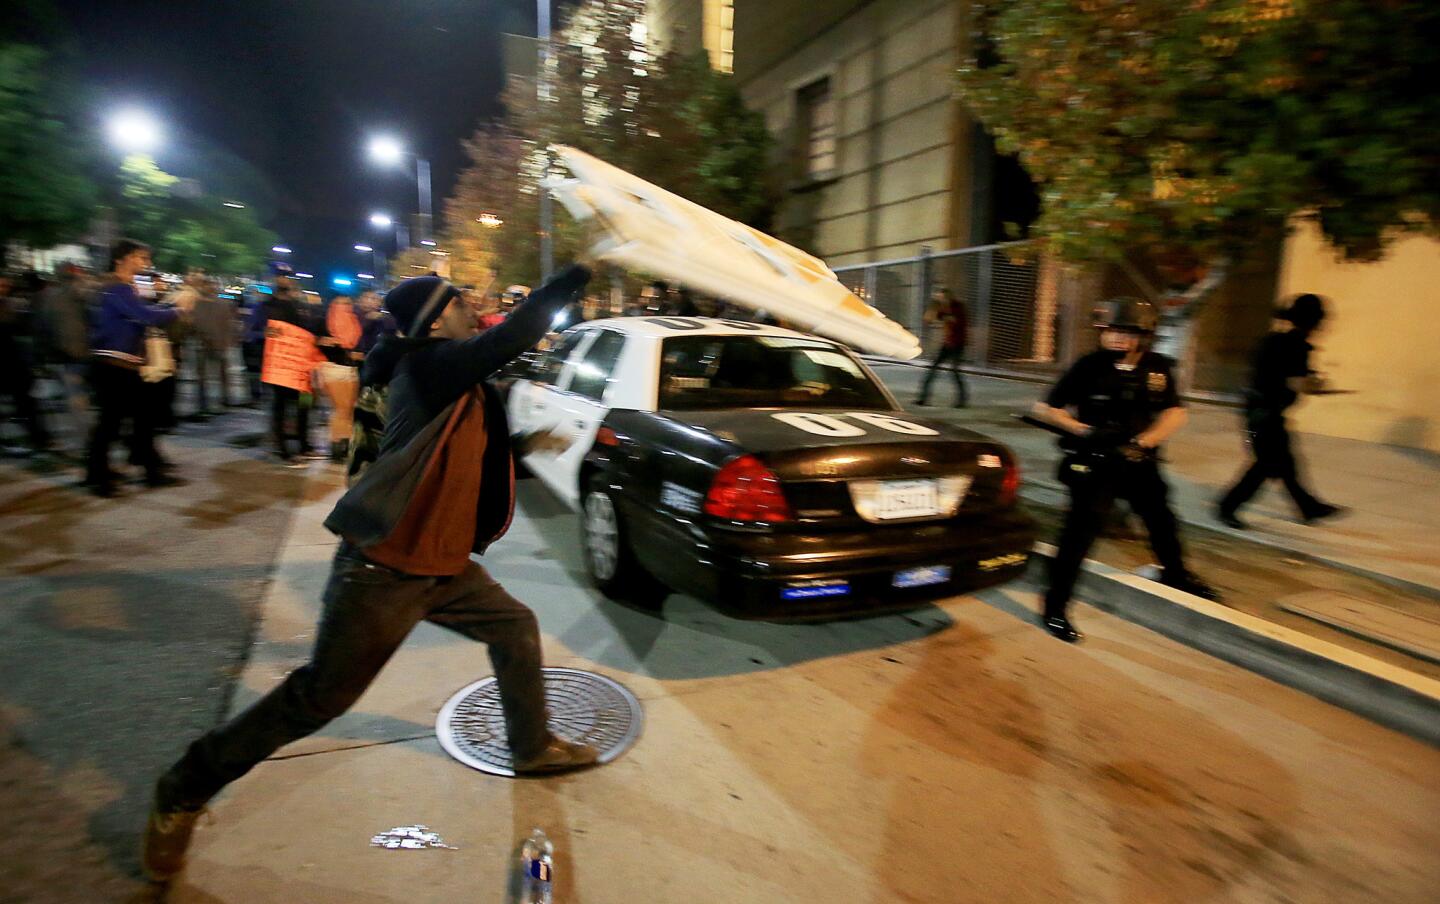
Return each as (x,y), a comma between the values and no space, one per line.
(584,707)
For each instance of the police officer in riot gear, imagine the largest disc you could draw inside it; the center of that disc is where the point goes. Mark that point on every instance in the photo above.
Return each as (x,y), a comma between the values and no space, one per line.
(1281,372)
(1118,405)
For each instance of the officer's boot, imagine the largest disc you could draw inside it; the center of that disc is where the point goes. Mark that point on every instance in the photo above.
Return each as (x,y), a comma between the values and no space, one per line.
(1189,583)
(1055,621)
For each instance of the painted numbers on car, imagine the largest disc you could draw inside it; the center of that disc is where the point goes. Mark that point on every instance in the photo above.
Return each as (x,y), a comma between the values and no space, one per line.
(831,425)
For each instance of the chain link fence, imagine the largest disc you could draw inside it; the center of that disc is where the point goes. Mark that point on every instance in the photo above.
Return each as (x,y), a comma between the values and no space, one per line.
(1031,317)
(1015,321)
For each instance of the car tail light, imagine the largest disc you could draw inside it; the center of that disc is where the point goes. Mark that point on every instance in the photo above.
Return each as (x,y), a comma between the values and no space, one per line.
(1010,483)
(746,490)
(606,437)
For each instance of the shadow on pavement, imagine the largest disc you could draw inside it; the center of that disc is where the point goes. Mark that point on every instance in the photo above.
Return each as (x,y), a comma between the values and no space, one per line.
(687,639)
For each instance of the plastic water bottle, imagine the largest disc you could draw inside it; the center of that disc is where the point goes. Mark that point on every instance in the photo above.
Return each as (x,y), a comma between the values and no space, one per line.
(537,862)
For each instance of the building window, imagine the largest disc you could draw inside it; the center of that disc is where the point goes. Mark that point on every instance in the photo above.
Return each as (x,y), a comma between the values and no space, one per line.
(816,120)
(719,25)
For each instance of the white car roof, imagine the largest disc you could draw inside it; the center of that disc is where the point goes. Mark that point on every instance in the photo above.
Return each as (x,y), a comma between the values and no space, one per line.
(709,326)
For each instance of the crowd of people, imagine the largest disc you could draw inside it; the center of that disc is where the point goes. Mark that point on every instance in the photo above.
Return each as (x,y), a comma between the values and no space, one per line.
(91,359)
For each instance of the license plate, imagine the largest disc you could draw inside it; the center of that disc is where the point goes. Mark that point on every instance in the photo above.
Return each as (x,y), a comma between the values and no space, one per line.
(921,577)
(810,590)
(907,499)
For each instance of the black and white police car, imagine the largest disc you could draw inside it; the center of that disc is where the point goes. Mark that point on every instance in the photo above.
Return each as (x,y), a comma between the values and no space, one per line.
(763,470)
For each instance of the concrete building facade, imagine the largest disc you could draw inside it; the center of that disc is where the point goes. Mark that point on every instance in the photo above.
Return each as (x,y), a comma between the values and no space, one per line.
(878,157)
(877,160)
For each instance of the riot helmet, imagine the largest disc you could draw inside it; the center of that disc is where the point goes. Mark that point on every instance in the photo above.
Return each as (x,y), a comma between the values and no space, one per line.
(1132,315)
(1305,312)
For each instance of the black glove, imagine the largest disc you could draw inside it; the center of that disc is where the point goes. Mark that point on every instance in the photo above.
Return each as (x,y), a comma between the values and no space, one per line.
(1106,439)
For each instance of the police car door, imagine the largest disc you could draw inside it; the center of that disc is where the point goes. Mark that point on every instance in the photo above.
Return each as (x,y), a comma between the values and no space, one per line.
(581,407)
(534,403)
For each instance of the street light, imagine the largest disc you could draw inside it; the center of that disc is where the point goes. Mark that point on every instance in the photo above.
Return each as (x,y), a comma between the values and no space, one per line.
(376,259)
(380,221)
(280,249)
(135,131)
(364,275)
(388,150)
(235,204)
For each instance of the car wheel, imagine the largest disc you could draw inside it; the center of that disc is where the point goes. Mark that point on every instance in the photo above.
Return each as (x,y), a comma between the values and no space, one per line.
(609,558)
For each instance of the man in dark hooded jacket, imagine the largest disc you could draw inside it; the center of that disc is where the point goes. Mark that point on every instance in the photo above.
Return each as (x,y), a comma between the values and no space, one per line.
(442,488)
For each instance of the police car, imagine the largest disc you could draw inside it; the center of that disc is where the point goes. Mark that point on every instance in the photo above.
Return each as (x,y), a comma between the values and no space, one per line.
(763,470)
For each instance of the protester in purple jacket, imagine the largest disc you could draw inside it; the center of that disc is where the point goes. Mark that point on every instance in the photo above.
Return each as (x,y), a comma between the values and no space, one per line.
(117,345)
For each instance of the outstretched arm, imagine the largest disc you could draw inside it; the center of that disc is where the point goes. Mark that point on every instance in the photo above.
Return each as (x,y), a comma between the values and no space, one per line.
(460,365)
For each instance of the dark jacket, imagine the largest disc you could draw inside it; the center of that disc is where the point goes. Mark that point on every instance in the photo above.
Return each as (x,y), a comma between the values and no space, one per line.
(214,321)
(425,380)
(120,322)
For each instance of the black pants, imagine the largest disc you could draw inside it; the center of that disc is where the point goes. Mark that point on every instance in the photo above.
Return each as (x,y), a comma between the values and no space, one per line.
(1269,438)
(208,360)
(368,612)
(1091,497)
(120,395)
(17,380)
(283,400)
(253,355)
(952,357)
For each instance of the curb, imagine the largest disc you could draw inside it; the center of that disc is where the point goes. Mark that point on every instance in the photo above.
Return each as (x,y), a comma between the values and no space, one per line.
(1381,692)
(1057,496)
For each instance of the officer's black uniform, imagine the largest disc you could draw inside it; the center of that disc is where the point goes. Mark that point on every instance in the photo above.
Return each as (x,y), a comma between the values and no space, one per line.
(1279,358)
(1118,403)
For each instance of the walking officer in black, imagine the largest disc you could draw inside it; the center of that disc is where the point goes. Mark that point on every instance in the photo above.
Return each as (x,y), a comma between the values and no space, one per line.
(1116,405)
(1281,372)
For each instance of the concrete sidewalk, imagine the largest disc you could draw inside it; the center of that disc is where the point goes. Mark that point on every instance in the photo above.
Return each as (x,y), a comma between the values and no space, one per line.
(955,754)
(1392,531)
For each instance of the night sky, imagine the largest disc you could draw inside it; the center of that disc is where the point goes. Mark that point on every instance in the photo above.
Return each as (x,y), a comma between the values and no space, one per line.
(272,101)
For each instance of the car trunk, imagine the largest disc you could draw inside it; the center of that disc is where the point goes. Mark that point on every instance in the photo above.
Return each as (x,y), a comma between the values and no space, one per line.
(891,473)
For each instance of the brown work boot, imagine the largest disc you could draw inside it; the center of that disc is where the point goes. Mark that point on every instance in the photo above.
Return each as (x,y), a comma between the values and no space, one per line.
(167,836)
(558,755)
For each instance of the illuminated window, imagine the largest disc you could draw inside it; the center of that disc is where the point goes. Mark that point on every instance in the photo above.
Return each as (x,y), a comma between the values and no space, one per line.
(816,119)
(720,33)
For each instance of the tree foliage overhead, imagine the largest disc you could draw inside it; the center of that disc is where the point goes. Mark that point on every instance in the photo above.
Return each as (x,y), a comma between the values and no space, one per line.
(46,194)
(669,119)
(1197,126)
(187,229)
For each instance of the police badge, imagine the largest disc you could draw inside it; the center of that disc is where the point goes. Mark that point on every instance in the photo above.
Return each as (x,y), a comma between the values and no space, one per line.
(1155,381)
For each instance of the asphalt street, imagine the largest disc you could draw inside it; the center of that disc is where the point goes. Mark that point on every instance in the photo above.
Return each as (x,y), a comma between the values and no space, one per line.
(123,624)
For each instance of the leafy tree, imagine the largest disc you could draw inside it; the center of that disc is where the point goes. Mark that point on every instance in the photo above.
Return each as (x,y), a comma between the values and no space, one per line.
(187,232)
(145,200)
(1192,131)
(668,119)
(46,194)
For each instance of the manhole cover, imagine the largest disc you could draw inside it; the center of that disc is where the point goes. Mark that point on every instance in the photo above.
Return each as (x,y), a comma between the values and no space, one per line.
(584,707)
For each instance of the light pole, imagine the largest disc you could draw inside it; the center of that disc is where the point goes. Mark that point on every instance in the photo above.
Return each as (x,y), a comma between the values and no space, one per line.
(376,261)
(388,150)
(547,251)
(383,221)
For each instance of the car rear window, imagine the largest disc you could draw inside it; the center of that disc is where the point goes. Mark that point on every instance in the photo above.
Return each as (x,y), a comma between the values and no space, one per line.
(762,372)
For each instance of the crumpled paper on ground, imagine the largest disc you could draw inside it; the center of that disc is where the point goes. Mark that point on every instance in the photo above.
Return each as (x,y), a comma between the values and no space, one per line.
(410,838)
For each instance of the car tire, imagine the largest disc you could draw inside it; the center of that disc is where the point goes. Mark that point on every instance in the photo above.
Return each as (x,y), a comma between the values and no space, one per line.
(609,559)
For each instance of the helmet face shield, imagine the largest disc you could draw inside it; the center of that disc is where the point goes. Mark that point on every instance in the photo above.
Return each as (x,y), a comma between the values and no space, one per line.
(1127,314)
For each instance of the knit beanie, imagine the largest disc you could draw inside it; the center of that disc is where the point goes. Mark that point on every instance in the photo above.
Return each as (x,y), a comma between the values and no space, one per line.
(416,303)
